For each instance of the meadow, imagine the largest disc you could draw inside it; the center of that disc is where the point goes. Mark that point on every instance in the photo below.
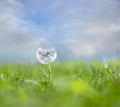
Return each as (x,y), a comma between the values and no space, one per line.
(73,84)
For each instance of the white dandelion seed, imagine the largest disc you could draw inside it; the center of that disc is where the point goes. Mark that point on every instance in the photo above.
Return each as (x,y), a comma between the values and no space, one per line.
(46,56)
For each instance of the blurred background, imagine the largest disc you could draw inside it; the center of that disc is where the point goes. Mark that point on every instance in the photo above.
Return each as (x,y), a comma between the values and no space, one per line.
(79,29)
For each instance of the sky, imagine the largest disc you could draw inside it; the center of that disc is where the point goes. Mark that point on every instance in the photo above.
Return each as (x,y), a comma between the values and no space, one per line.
(79,29)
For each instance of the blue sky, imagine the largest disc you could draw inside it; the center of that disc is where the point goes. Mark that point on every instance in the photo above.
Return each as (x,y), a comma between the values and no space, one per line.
(77,29)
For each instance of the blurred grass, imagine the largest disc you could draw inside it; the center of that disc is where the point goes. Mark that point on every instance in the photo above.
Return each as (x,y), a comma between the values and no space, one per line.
(74,84)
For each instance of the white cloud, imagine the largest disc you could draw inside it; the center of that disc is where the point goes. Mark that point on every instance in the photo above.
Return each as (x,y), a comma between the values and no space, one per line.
(83,27)
(95,39)
(94,33)
(18,37)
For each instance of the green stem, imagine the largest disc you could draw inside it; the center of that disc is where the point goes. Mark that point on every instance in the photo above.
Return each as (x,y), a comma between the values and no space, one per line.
(49,75)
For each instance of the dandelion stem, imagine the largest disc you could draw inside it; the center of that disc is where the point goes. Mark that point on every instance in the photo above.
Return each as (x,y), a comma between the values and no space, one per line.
(49,75)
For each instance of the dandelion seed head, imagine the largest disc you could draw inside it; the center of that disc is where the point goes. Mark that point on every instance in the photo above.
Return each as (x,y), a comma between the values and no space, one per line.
(45,56)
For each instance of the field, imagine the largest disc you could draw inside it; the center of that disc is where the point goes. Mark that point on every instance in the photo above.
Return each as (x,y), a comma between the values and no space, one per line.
(73,84)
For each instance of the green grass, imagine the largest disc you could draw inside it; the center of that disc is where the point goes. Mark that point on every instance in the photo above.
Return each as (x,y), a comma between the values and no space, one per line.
(74,84)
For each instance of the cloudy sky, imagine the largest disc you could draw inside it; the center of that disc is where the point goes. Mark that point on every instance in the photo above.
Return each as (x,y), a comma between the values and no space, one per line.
(77,29)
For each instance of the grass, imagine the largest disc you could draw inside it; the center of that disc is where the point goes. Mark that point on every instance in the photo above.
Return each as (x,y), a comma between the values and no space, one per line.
(74,84)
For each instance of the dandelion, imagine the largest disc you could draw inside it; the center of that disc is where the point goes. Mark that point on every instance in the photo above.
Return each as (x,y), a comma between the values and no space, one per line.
(46,56)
